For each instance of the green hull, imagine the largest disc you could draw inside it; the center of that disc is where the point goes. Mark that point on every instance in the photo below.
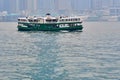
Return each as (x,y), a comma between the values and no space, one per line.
(46,27)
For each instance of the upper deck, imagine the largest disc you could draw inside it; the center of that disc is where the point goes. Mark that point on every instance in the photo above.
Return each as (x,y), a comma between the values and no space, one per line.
(50,19)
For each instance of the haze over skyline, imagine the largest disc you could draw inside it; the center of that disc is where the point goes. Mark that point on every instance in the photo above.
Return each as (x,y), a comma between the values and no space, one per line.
(57,6)
(102,9)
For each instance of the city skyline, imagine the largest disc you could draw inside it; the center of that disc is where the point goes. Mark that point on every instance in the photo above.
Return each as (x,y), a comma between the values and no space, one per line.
(56,6)
(97,9)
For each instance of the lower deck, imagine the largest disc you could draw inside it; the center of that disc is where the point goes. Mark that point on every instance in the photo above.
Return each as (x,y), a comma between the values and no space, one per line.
(48,27)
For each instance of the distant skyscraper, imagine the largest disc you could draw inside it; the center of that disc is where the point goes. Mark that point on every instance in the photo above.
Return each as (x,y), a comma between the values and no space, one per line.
(39,5)
(56,5)
(46,6)
(106,4)
(1,5)
(13,6)
(64,6)
(96,4)
(81,6)
(6,5)
(60,6)
(115,3)
(115,7)
(9,6)
(31,5)
(22,5)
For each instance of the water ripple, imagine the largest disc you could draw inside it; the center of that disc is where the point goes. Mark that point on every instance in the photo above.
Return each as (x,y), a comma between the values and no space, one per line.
(89,55)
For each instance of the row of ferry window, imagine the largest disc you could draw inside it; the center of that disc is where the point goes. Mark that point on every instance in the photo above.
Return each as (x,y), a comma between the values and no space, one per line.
(76,19)
(22,20)
(30,20)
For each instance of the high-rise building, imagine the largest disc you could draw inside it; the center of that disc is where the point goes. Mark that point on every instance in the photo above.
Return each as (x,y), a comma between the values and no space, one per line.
(40,5)
(13,6)
(115,3)
(115,7)
(96,4)
(64,6)
(6,5)
(31,5)
(22,5)
(9,6)
(60,6)
(83,5)
(46,6)
(105,4)
(1,5)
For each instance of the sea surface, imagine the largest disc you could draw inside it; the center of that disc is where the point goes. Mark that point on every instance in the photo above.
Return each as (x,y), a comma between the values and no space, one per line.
(93,54)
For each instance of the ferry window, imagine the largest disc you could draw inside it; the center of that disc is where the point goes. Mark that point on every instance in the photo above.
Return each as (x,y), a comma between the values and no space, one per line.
(48,20)
(76,19)
(35,20)
(51,20)
(18,19)
(54,20)
(24,20)
(30,20)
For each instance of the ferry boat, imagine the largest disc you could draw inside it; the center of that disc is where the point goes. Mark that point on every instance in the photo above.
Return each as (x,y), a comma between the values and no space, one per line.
(49,23)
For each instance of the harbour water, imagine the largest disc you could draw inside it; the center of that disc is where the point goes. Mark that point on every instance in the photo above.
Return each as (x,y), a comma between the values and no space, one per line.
(93,54)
